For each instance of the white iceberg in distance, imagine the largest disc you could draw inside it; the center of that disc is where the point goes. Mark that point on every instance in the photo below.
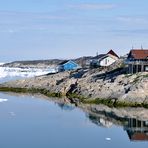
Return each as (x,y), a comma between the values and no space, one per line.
(24,72)
(3,100)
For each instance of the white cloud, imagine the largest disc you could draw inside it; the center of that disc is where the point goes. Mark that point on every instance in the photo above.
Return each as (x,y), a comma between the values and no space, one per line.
(13,15)
(94,6)
(15,22)
(130,19)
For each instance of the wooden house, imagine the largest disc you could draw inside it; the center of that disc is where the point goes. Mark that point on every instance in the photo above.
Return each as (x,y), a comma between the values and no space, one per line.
(104,60)
(137,60)
(67,65)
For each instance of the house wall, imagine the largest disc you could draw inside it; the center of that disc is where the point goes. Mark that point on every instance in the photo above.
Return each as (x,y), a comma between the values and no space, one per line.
(70,66)
(107,61)
(60,68)
(134,68)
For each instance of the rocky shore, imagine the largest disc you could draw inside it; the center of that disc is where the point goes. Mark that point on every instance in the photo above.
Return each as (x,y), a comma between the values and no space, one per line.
(89,86)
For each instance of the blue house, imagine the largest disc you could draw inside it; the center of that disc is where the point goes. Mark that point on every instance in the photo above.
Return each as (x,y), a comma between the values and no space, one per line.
(67,65)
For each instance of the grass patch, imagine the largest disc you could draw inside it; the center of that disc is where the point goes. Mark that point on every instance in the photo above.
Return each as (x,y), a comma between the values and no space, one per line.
(108,102)
(31,90)
(129,104)
(145,76)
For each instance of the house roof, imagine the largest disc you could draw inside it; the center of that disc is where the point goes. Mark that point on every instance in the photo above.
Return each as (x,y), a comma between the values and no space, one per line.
(113,53)
(139,137)
(138,54)
(65,61)
(99,56)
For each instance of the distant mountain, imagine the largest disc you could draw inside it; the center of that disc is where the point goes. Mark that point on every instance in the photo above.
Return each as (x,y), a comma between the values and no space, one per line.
(44,63)
(33,63)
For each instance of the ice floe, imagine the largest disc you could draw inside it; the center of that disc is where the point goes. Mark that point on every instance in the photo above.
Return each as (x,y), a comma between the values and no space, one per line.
(108,139)
(3,100)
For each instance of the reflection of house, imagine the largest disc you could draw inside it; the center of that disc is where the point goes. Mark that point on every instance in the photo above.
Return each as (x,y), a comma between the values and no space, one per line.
(100,121)
(137,61)
(104,59)
(137,130)
(67,65)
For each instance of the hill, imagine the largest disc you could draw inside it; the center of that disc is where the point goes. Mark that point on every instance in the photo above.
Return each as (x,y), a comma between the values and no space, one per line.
(44,63)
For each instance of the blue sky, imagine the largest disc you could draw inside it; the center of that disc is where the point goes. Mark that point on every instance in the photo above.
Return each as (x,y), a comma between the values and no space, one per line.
(44,29)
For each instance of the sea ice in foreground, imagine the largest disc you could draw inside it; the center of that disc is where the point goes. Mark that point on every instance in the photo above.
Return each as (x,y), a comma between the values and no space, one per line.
(3,100)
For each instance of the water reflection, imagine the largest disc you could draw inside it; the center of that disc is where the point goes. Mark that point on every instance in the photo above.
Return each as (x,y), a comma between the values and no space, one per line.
(65,106)
(100,121)
(137,130)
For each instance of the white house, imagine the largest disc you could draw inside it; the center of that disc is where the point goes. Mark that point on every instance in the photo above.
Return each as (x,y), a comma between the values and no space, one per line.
(104,60)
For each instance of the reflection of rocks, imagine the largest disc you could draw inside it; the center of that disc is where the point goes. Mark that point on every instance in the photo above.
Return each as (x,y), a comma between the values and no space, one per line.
(118,113)
(65,106)
(134,120)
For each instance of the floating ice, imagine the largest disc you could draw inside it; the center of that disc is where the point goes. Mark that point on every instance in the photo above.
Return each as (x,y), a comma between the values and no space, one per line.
(108,139)
(3,100)
(24,72)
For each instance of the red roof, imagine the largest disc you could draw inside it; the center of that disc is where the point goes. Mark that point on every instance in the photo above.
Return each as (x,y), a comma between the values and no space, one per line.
(138,54)
(113,53)
(139,136)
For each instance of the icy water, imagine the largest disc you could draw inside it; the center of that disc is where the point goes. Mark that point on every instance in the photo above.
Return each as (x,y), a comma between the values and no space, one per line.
(9,73)
(28,121)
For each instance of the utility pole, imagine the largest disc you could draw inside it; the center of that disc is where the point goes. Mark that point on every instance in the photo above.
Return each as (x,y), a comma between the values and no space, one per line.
(97,53)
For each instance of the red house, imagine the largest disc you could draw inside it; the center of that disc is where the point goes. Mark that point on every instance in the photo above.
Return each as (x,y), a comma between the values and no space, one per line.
(137,60)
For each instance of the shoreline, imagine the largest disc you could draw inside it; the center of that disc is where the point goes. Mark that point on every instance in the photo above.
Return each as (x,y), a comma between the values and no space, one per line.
(75,99)
(91,86)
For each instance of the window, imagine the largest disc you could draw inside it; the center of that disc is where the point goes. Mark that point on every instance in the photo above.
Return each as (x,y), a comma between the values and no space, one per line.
(146,68)
(106,61)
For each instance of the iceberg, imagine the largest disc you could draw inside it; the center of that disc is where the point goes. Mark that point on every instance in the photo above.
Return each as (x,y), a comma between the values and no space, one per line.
(24,72)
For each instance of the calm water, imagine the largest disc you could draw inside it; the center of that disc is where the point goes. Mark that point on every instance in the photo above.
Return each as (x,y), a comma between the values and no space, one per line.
(32,122)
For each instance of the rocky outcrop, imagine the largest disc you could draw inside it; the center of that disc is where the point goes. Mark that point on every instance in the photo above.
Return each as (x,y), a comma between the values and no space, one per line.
(91,84)
(131,88)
